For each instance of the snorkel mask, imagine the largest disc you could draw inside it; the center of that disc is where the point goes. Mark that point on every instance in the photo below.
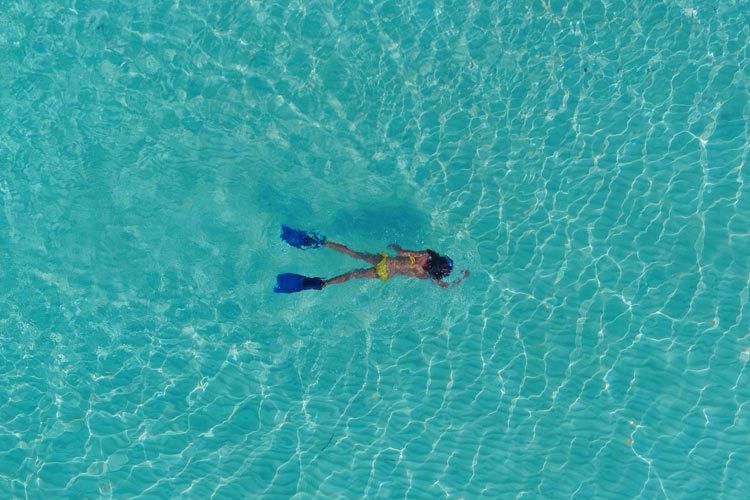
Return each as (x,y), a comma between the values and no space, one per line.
(439,266)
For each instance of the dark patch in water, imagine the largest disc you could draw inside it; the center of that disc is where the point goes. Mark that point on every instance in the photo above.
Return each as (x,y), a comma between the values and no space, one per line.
(403,224)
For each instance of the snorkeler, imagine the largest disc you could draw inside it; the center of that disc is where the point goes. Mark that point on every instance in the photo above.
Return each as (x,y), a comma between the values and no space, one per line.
(422,264)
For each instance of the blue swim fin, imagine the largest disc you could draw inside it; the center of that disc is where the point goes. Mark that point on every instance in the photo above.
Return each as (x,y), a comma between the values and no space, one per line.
(301,239)
(290,283)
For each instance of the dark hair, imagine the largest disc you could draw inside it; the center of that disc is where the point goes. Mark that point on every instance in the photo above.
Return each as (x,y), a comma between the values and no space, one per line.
(438,266)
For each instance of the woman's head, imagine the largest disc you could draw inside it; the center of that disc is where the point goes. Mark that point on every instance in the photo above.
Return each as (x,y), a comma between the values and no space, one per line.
(438,266)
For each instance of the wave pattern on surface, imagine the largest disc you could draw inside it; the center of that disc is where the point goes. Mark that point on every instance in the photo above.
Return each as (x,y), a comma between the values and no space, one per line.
(587,162)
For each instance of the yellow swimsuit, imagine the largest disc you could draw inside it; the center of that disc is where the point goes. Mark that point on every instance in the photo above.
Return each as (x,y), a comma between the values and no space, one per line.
(381,268)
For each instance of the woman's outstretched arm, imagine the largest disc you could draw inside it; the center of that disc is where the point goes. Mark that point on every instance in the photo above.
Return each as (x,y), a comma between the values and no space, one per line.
(402,251)
(443,284)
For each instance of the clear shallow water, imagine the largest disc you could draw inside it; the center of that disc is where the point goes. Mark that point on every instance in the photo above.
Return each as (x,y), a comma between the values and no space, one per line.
(588,163)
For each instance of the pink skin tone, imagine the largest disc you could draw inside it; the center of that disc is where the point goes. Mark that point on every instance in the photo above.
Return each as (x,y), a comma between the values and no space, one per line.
(398,265)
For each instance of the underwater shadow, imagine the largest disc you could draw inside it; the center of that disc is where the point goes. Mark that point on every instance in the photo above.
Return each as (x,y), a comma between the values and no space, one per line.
(383,224)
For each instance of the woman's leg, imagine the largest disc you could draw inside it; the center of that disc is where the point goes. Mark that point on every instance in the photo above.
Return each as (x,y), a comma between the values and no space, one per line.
(359,273)
(367,257)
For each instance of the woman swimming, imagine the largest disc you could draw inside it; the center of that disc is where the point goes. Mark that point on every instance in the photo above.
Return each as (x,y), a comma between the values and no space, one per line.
(422,264)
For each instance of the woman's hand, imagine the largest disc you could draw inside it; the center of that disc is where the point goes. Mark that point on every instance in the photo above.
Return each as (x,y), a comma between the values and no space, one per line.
(459,280)
(396,248)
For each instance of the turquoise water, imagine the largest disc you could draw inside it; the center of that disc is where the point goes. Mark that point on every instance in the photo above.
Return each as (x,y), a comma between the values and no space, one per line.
(587,161)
